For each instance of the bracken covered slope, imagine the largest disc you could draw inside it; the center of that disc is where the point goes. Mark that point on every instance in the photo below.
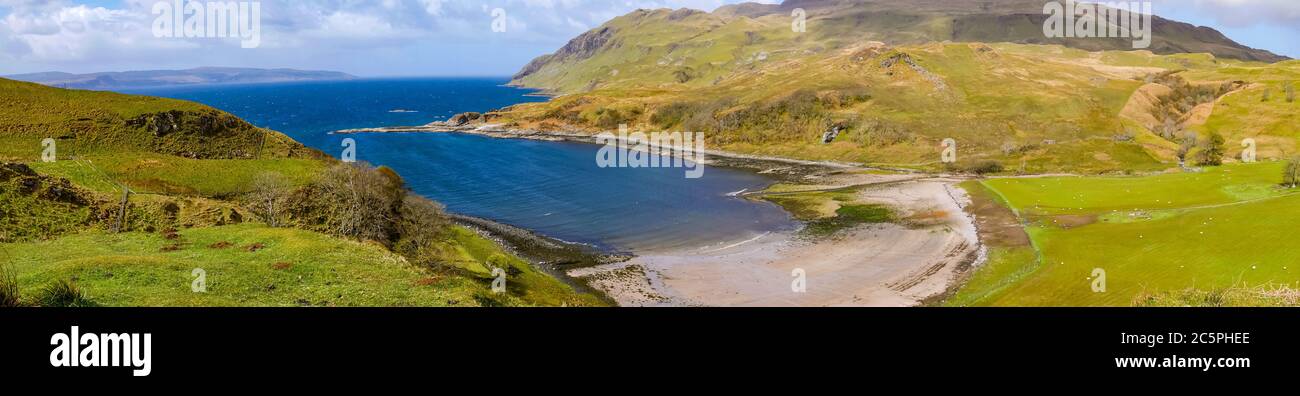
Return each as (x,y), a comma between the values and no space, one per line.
(897,78)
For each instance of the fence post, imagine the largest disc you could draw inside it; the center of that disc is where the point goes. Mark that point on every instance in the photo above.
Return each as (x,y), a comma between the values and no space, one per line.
(121,214)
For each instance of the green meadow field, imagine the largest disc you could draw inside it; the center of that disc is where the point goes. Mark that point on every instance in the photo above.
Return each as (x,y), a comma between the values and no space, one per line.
(255,265)
(1160,240)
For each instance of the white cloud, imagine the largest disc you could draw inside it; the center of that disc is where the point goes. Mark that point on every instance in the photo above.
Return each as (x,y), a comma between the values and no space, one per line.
(367,36)
(433,7)
(37,33)
(1239,13)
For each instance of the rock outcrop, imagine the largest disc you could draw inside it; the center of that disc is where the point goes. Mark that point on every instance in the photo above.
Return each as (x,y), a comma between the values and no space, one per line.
(580,48)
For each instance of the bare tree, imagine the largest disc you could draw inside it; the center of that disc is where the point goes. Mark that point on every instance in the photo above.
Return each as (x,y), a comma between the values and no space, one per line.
(1008,148)
(1186,147)
(1291,174)
(1170,129)
(269,193)
(421,228)
(362,202)
(1290,92)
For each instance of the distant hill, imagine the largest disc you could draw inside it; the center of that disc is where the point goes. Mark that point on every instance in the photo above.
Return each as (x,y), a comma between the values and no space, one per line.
(161,78)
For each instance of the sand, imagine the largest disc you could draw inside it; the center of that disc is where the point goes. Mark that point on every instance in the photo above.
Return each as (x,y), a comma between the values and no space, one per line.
(886,265)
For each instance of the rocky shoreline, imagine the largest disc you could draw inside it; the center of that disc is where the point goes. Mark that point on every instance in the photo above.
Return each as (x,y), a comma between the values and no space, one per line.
(783,169)
(550,255)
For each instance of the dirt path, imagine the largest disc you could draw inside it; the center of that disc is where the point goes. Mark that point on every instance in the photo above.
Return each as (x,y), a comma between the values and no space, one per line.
(876,265)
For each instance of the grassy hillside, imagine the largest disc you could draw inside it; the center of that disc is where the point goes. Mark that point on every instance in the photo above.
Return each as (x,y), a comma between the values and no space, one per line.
(255,265)
(880,74)
(270,222)
(711,44)
(88,123)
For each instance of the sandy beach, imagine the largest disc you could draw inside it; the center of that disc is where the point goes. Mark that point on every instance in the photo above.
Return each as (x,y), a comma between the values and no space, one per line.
(885,265)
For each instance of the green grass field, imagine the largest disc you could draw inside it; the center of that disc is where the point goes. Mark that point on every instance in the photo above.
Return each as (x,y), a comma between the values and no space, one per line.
(292,268)
(1103,195)
(1227,228)
(253,265)
(164,174)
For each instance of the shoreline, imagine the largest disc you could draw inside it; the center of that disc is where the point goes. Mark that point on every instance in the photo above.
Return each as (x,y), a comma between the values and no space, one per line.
(875,265)
(549,255)
(715,157)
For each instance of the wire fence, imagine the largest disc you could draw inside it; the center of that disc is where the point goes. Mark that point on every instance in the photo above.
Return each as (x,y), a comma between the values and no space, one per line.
(117,187)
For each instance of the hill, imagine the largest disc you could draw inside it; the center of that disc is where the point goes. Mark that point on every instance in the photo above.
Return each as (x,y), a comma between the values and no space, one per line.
(891,80)
(267,221)
(727,37)
(160,78)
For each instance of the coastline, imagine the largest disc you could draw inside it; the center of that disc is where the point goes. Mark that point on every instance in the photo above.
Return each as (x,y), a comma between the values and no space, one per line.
(715,157)
(549,255)
(873,265)
(877,265)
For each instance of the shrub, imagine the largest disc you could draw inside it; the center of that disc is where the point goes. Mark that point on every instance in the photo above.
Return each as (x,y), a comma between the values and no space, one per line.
(684,75)
(360,202)
(391,175)
(798,116)
(1186,146)
(63,293)
(703,118)
(985,167)
(611,118)
(673,114)
(1291,174)
(421,231)
(851,96)
(1212,153)
(267,199)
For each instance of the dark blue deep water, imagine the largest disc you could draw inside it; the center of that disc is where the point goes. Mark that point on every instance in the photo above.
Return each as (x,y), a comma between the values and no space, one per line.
(552,188)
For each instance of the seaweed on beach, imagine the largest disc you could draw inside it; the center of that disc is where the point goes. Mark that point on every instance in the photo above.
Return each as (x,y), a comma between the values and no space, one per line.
(849,216)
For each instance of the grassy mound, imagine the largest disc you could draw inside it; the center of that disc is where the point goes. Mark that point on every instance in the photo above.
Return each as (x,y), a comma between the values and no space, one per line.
(91,122)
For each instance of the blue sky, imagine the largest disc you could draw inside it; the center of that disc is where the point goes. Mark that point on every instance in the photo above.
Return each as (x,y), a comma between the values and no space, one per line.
(1273,25)
(422,37)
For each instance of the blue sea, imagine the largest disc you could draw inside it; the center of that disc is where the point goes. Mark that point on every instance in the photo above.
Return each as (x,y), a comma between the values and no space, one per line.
(554,188)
